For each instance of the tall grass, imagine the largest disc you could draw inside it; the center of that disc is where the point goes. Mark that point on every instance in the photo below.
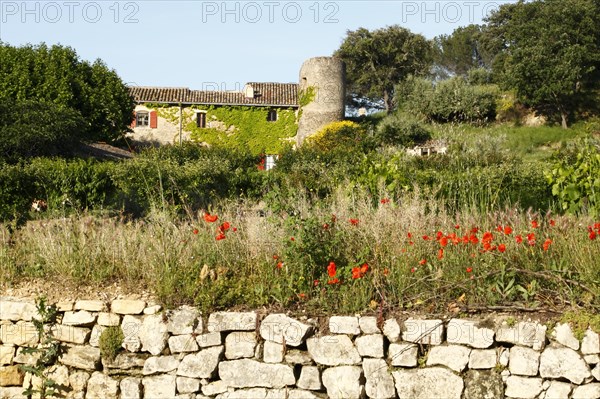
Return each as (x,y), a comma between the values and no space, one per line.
(180,260)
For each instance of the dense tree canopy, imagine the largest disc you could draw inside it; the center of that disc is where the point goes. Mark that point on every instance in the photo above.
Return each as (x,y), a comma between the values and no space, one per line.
(549,52)
(460,52)
(55,75)
(377,60)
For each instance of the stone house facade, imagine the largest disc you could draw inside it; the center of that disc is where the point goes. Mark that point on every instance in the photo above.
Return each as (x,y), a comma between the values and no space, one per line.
(262,117)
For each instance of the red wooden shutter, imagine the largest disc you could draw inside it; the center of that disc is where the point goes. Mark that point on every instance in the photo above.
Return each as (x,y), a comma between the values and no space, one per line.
(133,121)
(153,120)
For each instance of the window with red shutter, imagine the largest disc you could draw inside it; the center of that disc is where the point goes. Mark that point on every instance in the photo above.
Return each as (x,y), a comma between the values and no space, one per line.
(133,121)
(153,120)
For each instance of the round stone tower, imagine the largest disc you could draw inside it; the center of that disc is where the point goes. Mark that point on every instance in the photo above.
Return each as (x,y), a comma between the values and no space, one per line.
(321,94)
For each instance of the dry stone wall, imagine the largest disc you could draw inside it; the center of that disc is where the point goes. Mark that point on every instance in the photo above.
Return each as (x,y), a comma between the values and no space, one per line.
(184,354)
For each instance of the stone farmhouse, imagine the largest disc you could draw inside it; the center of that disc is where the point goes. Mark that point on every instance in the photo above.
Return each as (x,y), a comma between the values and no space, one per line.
(262,117)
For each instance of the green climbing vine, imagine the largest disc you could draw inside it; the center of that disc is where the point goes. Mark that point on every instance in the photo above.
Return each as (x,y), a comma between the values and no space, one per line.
(245,128)
(307,96)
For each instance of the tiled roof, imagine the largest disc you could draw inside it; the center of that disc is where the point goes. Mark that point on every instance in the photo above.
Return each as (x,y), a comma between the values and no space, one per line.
(265,94)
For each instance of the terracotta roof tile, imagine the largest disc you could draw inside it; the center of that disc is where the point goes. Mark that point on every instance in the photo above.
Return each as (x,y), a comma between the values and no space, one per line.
(265,94)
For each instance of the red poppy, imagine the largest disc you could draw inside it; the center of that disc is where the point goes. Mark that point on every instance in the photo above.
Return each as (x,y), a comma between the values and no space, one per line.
(409,235)
(487,237)
(210,218)
(422,262)
(325,226)
(501,248)
(469,269)
(234,229)
(439,235)
(440,254)
(499,228)
(316,282)
(292,239)
(333,281)
(386,272)
(279,265)
(356,273)
(508,230)
(531,239)
(354,222)
(414,269)
(473,238)
(597,226)
(552,222)
(547,244)
(195,231)
(444,241)
(364,268)
(519,239)
(474,230)
(225,226)
(385,200)
(220,237)
(260,167)
(331,269)
(534,224)
(592,235)
(425,237)
(302,295)
(457,226)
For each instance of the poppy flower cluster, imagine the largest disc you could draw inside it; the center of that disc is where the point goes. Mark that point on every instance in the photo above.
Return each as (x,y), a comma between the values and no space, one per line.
(331,272)
(360,271)
(593,231)
(224,227)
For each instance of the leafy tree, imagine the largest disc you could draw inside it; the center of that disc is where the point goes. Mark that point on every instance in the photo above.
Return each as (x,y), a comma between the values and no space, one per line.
(377,60)
(56,75)
(35,128)
(461,51)
(550,52)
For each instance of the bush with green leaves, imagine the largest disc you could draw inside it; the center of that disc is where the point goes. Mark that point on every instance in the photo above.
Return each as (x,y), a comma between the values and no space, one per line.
(36,128)
(337,136)
(451,100)
(396,129)
(576,182)
(110,342)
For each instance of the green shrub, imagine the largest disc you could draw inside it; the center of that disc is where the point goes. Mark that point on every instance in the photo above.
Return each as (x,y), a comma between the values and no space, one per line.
(397,130)
(576,182)
(110,342)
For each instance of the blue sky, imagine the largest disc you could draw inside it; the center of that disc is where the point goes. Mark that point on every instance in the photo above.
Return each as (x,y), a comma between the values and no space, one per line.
(218,44)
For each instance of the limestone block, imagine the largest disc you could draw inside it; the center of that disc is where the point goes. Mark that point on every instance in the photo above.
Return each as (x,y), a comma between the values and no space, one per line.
(531,334)
(370,345)
(101,386)
(333,350)
(296,356)
(7,353)
(160,364)
(283,329)
(428,383)
(183,343)
(524,361)
(81,357)
(11,376)
(391,329)
(202,364)
(209,339)
(184,320)
(587,391)
(108,319)
(454,357)
(79,318)
(153,334)
(127,306)
(232,321)
(379,380)
(74,335)
(403,355)
(482,359)
(159,386)
(591,343)
(273,352)
(343,382)
(188,385)
(559,362)
(564,335)
(131,388)
(240,344)
(246,373)
(344,325)
(467,332)
(558,390)
(16,310)
(91,306)
(22,333)
(131,326)
(481,384)
(368,325)
(428,332)
(310,378)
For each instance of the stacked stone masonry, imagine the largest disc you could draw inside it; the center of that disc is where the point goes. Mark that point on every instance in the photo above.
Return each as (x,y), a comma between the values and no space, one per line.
(186,355)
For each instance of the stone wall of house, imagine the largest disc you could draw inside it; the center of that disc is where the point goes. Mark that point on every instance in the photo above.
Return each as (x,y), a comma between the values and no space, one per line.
(166,131)
(184,354)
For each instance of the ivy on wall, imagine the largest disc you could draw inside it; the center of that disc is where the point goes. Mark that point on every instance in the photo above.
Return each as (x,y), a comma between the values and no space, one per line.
(245,128)
(239,127)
